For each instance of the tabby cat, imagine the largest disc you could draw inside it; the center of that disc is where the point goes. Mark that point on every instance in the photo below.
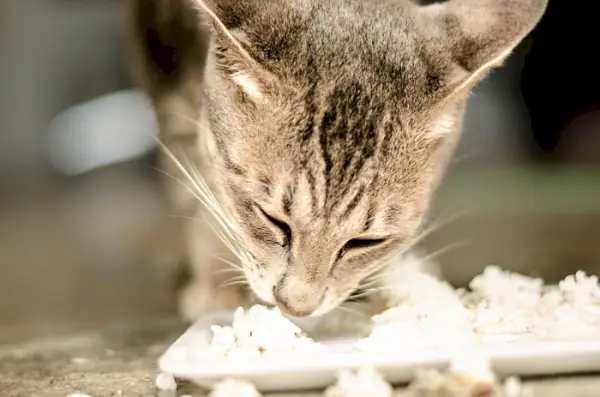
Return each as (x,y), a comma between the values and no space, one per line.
(307,136)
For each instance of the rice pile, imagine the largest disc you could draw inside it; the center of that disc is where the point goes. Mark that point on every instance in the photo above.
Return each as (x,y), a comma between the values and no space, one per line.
(256,333)
(499,306)
(508,303)
(425,312)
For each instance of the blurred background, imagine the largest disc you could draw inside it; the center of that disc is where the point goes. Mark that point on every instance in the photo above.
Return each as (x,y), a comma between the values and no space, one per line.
(86,239)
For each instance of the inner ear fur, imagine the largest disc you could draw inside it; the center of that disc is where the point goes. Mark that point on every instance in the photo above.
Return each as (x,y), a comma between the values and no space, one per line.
(477,35)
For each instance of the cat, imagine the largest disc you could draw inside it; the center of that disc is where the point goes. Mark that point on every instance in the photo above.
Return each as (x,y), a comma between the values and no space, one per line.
(310,134)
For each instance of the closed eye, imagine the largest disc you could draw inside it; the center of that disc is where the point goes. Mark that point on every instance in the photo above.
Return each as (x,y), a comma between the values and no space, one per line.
(285,229)
(358,244)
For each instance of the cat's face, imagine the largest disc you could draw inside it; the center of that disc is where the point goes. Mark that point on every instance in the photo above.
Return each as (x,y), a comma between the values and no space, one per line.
(324,175)
(331,122)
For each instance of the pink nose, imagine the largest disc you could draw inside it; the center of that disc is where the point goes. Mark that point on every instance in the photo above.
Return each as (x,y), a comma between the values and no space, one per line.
(298,296)
(285,307)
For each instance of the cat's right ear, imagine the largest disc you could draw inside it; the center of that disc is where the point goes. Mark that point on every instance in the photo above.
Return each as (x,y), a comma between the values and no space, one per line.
(470,37)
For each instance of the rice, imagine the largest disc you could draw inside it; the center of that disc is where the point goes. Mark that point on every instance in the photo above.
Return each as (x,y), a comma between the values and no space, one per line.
(365,382)
(469,375)
(417,317)
(512,387)
(234,388)
(499,306)
(259,332)
(570,309)
(165,382)
(473,365)
(423,312)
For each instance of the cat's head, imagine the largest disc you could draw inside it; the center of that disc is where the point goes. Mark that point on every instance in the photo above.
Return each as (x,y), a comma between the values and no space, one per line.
(332,123)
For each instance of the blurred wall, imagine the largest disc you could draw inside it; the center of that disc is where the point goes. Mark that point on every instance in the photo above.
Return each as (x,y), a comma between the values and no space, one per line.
(55,54)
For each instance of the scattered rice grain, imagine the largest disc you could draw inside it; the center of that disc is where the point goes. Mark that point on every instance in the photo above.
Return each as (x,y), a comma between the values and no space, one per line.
(165,382)
(365,382)
(234,388)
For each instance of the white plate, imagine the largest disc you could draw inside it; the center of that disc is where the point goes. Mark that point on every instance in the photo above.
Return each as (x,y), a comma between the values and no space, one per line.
(523,358)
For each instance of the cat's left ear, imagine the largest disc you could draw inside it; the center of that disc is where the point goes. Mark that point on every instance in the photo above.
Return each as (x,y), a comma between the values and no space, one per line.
(472,36)
(233,14)
(229,19)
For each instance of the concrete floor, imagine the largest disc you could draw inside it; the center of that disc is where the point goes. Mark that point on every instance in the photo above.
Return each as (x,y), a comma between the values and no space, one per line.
(87,274)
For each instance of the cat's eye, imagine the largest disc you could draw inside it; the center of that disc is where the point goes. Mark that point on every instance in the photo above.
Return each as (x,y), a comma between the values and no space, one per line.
(357,244)
(286,230)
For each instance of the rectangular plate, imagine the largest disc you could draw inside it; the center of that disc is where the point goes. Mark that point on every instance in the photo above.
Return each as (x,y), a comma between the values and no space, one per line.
(523,358)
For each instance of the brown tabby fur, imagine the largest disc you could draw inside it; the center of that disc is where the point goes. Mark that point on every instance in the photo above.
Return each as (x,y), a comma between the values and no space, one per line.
(321,126)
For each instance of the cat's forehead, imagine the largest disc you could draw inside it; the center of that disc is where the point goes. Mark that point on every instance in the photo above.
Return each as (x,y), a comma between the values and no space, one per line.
(332,35)
(340,134)
(347,42)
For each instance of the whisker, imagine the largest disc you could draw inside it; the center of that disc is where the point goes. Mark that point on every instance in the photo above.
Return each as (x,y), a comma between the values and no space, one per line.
(233,265)
(215,208)
(228,226)
(459,158)
(203,219)
(217,254)
(433,227)
(378,274)
(197,190)
(208,200)
(379,270)
(235,283)
(445,249)
(188,218)
(375,290)
(369,287)
(228,244)
(192,191)
(345,308)
(369,292)
(191,120)
(222,238)
(188,188)
(201,188)
(235,279)
(221,271)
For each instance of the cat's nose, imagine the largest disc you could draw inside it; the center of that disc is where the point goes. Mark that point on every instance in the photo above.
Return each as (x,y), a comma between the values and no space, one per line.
(296,299)
(285,307)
